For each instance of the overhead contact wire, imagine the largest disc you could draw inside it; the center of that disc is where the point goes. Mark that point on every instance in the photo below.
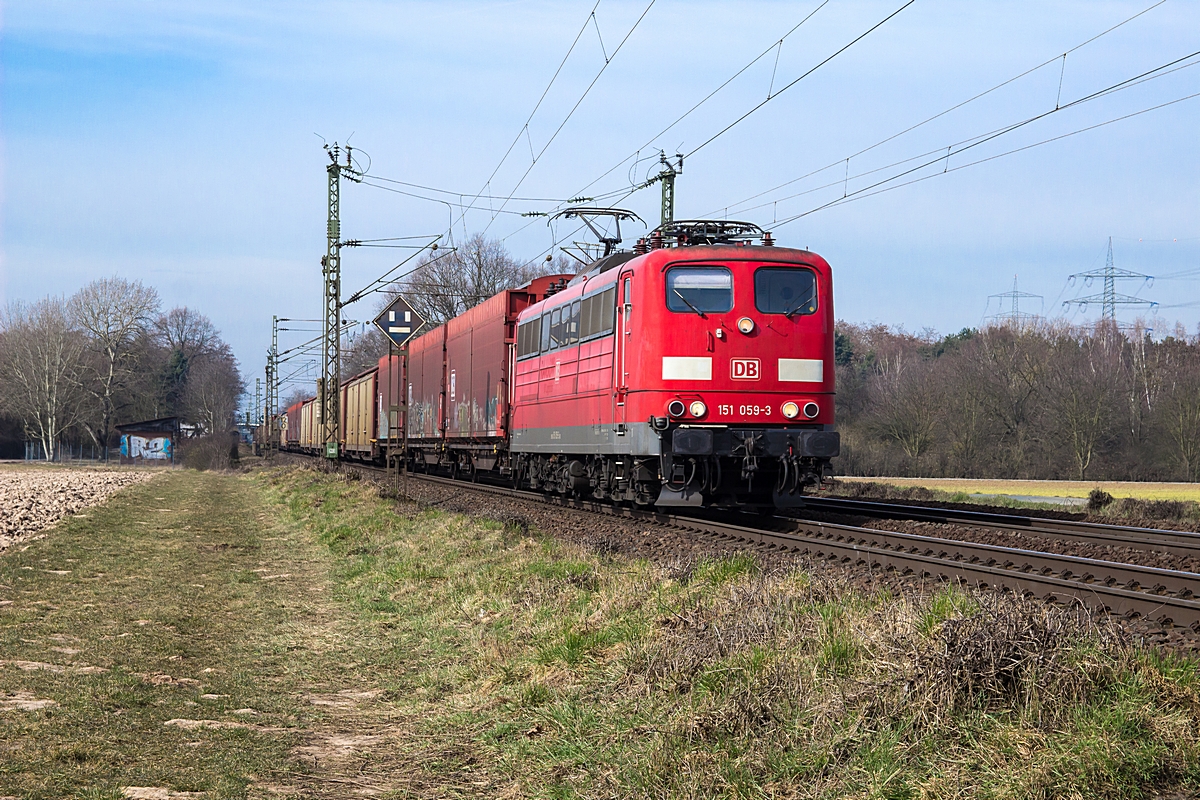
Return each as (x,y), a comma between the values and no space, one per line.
(955,107)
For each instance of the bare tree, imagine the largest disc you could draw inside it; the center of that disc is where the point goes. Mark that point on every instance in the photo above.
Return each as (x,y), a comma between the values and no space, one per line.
(187,332)
(297,395)
(1005,369)
(906,407)
(115,314)
(363,351)
(1178,412)
(1082,395)
(447,283)
(185,336)
(41,369)
(213,389)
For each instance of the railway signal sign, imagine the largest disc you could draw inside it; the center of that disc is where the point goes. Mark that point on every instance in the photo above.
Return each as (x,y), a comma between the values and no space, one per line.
(399,321)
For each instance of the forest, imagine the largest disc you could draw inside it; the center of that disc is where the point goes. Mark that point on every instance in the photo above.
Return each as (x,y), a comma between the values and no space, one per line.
(73,368)
(1046,400)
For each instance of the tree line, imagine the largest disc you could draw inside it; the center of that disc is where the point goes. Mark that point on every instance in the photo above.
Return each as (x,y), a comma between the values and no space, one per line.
(1047,400)
(73,368)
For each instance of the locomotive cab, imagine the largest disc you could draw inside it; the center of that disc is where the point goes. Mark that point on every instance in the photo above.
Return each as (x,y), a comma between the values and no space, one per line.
(735,372)
(693,374)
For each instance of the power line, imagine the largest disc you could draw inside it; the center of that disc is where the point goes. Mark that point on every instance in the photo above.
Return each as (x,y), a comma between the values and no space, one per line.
(943,153)
(709,96)
(952,108)
(367,182)
(377,284)
(574,108)
(464,194)
(873,189)
(525,128)
(820,64)
(770,96)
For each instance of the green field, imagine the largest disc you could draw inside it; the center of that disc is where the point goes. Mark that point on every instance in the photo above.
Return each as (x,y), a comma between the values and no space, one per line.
(288,633)
(1118,489)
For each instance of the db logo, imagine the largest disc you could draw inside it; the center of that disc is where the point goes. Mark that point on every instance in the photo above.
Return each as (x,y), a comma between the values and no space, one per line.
(744,369)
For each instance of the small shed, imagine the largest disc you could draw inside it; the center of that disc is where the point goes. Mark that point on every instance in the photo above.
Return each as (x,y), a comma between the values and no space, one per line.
(150,442)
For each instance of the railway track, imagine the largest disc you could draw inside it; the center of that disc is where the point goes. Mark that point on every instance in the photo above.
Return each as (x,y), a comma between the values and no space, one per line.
(1166,596)
(1149,539)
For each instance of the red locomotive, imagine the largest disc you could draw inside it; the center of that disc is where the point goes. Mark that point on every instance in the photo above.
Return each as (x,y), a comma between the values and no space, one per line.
(696,370)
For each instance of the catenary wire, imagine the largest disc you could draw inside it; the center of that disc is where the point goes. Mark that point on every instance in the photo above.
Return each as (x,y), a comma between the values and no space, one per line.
(944,152)
(525,128)
(874,189)
(804,75)
(955,107)
(574,108)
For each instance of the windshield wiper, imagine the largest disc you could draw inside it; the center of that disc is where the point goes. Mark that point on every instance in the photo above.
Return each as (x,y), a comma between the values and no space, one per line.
(796,308)
(689,305)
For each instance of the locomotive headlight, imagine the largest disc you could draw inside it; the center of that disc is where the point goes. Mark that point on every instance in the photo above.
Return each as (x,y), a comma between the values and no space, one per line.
(790,409)
(676,408)
(746,325)
(697,408)
(811,410)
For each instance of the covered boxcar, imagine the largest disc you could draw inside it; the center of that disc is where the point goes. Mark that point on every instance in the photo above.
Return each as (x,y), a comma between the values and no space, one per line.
(359,405)
(390,396)
(289,427)
(479,369)
(311,437)
(426,390)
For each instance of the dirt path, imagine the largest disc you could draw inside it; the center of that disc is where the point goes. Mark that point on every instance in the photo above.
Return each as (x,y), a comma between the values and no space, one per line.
(180,638)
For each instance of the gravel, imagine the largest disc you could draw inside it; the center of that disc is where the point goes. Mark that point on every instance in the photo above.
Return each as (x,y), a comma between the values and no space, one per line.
(34,498)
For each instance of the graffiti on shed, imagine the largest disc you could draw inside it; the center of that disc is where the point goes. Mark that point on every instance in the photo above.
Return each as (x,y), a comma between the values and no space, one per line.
(149,442)
(155,449)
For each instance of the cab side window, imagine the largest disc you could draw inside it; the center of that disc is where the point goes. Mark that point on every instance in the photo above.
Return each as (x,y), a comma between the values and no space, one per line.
(556,328)
(572,323)
(529,335)
(545,332)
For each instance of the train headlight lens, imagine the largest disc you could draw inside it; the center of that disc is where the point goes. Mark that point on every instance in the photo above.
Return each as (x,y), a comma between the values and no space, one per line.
(676,408)
(790,409)
(697,408)
(811,410)
(746,325)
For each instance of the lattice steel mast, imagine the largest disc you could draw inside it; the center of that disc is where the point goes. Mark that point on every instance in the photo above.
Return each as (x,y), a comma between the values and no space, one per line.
(1014,316)
(273,387)
(331,270)
(1109,299)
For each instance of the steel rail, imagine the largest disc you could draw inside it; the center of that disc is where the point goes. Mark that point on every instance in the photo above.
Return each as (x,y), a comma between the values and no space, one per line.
(1108,586)
(1183,543)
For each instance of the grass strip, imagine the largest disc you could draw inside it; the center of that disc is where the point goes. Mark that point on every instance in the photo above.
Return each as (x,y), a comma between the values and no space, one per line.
(343,644)
(532,668)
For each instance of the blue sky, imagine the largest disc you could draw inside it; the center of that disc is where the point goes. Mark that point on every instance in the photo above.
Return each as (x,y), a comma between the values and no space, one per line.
(174,142)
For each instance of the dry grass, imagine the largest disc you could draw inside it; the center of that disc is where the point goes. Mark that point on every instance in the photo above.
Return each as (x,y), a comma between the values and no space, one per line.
(571,673)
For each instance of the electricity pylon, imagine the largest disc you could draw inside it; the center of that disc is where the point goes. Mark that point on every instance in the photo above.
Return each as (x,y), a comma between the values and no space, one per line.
(1110,298)
(1014,317)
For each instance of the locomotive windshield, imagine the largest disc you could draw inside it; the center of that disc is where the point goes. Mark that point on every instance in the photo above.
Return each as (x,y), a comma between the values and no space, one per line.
(699,289)
(785,291)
